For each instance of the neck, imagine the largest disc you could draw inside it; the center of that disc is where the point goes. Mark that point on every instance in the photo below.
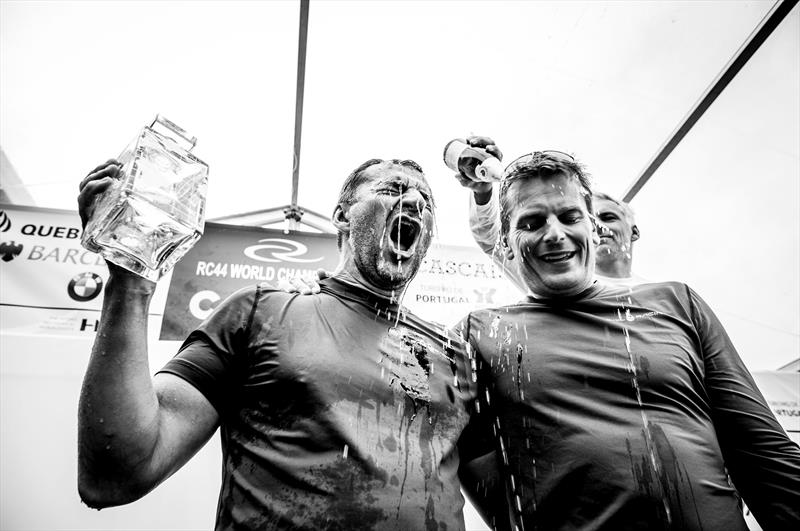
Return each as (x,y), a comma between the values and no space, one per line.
(615,269)
(562,294)
(349,272)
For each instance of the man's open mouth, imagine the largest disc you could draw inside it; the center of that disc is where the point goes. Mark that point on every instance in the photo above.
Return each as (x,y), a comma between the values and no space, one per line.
(555,258)
(404,232)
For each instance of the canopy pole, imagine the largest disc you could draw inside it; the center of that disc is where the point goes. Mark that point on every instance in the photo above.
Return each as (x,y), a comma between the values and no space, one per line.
(779,10)
(293,212)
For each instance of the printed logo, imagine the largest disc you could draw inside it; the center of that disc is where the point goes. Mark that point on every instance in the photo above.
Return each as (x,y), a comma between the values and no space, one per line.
(484,295)
(5,221)
(9,251)
(279,250)
(628,316)
(85,287)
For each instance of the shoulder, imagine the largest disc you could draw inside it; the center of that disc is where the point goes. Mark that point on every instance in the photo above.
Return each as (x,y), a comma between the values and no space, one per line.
(261,295)
(674,290)
(240,308)
(484,318)
(434,330)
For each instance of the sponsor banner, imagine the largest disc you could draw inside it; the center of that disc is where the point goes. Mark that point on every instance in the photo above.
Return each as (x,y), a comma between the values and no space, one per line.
(23,320)
(42,262)
(43,265)
(781,389)
(451,281)
(230,257)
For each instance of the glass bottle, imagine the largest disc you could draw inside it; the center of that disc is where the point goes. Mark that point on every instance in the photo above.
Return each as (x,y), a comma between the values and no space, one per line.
(154,213)
(473,162)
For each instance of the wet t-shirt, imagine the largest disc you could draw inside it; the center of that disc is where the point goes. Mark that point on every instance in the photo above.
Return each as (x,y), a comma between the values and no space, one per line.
(336,412)
(621,408)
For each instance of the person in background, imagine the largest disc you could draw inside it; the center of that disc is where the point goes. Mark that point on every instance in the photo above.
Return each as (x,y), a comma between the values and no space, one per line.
(611,407)
(338,410)
(616,227)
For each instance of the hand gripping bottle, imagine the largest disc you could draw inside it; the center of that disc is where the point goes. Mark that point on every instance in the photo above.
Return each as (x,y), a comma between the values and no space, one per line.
(475,163)
(150,217)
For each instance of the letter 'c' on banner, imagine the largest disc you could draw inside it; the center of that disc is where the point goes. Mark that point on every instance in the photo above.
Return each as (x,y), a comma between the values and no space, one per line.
(198,298)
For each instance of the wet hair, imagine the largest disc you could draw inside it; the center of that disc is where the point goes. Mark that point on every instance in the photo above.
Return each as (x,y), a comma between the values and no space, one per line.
(357,177)
(542,165)
(627,211)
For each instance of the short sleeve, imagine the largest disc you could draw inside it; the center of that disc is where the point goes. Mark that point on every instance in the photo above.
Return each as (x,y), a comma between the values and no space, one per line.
(214,356)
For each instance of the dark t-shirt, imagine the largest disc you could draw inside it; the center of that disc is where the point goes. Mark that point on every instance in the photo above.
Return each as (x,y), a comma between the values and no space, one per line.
(336,413)
(621,408)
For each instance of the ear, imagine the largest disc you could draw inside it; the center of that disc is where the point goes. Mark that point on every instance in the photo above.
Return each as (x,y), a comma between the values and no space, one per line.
(507,249)
(634,233)
(339,219)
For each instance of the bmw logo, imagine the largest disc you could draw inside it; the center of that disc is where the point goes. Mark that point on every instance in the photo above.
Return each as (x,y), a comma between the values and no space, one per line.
(85,287)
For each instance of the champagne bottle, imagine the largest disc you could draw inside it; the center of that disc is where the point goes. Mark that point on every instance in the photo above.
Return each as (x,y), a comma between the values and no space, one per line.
(475,163)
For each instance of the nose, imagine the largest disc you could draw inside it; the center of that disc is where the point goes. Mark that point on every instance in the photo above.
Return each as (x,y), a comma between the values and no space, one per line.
(603,230)
(554,232)
(413,200)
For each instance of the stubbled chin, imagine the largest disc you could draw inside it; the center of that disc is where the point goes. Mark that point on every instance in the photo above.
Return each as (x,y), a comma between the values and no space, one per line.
(396,269)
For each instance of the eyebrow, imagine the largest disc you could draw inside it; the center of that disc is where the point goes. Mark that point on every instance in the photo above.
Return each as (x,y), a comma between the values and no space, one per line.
(407,182)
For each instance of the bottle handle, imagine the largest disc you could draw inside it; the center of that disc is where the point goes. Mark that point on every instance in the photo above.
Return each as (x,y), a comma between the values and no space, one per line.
(174,128)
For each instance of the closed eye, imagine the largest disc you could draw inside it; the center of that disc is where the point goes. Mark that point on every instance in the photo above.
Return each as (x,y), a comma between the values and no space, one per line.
(391,190)
(400,189)
(530,223)
(571,217)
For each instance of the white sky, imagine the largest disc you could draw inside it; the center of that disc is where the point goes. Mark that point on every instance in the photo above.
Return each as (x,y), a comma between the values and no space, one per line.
(607,81)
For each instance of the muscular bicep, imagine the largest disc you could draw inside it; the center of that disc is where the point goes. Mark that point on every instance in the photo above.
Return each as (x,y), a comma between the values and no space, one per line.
(186,421)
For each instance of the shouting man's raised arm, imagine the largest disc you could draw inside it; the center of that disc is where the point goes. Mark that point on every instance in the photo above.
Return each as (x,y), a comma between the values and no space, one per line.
(134,431)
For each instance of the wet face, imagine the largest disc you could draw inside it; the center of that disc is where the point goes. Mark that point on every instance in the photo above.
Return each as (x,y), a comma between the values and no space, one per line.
(551,237)
(390,225)
(616,232)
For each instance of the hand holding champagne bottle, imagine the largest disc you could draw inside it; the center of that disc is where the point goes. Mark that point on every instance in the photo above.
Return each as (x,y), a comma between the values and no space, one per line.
(476,158)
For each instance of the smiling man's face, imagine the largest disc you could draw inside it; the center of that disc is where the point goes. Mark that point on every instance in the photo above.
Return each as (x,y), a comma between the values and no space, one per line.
(550,236)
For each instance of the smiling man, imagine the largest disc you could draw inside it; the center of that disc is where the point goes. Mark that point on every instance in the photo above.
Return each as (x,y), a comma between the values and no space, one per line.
(339,410)
(616,227)
(610,407)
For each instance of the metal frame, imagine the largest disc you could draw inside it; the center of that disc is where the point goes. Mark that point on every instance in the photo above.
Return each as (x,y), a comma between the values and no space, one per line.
(779,10)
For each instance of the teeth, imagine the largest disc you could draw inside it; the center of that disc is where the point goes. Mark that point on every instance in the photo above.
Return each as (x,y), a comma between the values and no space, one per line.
(557,257)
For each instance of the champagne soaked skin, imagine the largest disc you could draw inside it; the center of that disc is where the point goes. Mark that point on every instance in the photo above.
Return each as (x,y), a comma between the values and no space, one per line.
(153,215)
